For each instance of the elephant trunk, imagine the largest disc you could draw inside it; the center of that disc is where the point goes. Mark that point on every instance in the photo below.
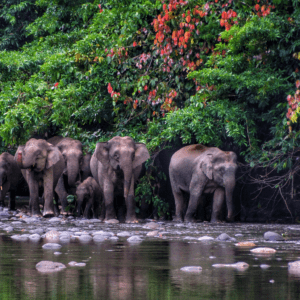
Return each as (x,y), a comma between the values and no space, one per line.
(229,188)
(127,169)
(73,173)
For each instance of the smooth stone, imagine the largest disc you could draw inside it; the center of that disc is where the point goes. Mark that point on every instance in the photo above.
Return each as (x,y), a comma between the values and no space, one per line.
(72,263)
(64,239)
(134,239)
(263,250)
(238,235)
(85,238)
(49,266)
(272,281)
(73,229)
(224,237)
(80,265)
(81,233)
(264,266)
(20,238)
(294,268)
(70,218)
(123,234)
(17,223)
(152,233)
(99,238)
(32,220)
(212,257)
(190,238)
(104,233)
(205,238)
(114,238)
(112,221)
(51,246)
(52,235)
(245,244)
(37,230)
(151,225)
(95,221)
(8,229)
(57,253)
(272,236)
(191,269)
(54,219)
(35,237)
(239,266)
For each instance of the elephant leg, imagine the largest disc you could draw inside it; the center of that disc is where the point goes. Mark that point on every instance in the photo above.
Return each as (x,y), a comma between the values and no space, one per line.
(12,200)
(33,184)
(4,190)
(218,201)
(95,209)
(48,193)
(62,194)
(102,212)
(130,204)
(110,212)
(87,209)
(200,209)
(56,208)
(179,205)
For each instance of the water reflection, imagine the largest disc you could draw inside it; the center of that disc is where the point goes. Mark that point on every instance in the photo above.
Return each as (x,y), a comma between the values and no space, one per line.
(149,270)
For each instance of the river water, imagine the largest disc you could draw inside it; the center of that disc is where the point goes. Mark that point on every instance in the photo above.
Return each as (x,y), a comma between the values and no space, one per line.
(150,269)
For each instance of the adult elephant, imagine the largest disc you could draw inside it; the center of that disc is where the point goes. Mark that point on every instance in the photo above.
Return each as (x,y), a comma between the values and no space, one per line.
(116,165)
(74,167)
(197,169)
(10,176)
(43,164)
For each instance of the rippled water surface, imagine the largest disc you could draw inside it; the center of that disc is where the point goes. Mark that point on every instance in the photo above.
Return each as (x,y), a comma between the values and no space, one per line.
(151,269)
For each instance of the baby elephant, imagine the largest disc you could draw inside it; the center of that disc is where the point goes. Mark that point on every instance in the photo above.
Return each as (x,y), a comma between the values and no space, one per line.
(89,197)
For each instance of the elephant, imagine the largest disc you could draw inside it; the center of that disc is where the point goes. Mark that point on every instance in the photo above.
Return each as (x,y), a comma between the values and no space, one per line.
(116,165)
(43,164)
(197,170)
(89,197)
(10,176)
(74,162)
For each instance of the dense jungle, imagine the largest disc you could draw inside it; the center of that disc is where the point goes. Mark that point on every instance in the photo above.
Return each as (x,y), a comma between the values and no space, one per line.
(166,73)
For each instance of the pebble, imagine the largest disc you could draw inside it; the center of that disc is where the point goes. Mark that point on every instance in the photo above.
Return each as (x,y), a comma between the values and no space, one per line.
(20,238)
(54,219)
(49,266)
(72,263)
(151,225)
(112,221)
(52,235)
(123,234)
(263,250)
(51,246)
(80,265)
(114,238)
(272,236)
(224,237)
(85,238)
(205,238)
(239,266)
(37,230)
(35,237)
(8,229)
(57,253)
(134,239)
(245,244)
(192,269)
(152,233)
(99,238)
(32,220)
(104,233)
(264,266)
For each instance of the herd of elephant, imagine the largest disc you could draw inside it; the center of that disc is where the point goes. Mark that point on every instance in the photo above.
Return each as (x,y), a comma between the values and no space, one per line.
(57,167)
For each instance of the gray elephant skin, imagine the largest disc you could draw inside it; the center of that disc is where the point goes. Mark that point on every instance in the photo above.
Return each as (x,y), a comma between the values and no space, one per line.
(75,166)
(42,165)
(197,170)
(89,197)
(10,176)
(116,165)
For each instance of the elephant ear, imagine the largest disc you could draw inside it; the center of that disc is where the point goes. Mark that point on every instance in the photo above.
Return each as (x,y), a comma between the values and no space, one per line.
(206,166)
(141,154)
(101,152)
(53,157)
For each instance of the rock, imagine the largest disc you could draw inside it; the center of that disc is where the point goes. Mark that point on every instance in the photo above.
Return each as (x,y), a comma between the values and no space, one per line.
(20,238)
(64,238)
(54,219)
(245,244)
(81,233)
(123,234)
(205,238)
(104,233)
(151,225)
(51,246)
(192,269)
(272,281)
(134,239)
(263,250)
(80,265)
(37,230)
(49,266)
(114,238)
(72,263)
(264,266)
(238,235)
(32,220)
(8,229)
(57,253)
(152,233)
(241,266)
(35,237)
(294,268)
(4,214)
(52,235)
(272,236)
(95,221)
(112,221)
(17,223)
(85,238)
(99,238)
(224,237)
